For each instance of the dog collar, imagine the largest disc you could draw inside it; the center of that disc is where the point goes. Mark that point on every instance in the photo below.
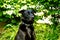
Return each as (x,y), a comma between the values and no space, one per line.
(26,24)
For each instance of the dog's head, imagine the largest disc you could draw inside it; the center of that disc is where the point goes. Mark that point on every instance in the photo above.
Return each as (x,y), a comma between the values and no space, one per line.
(27,14)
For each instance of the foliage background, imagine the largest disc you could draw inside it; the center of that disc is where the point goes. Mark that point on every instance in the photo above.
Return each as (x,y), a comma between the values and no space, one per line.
(46,21)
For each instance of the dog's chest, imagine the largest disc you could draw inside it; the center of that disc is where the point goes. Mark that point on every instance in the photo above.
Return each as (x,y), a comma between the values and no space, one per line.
(25,30)
(28,31)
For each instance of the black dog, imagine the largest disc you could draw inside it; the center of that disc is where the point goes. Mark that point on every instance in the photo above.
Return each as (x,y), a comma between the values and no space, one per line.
(26,29)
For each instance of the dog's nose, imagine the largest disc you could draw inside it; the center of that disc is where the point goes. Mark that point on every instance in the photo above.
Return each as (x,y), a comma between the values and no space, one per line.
(32,17)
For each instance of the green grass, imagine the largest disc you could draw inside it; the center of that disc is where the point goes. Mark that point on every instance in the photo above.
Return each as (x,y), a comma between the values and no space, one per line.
(42,31)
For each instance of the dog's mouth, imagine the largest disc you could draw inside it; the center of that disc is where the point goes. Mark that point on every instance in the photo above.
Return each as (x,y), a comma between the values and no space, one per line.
(31,19)
(28,19)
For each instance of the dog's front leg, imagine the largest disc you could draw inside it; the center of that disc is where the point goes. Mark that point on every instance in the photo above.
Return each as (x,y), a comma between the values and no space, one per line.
(20,35)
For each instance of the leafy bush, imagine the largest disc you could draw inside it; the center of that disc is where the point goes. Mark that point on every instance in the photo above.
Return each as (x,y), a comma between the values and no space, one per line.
(46,21)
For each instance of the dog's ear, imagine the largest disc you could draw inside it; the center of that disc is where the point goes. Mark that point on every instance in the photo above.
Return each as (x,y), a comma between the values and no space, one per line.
(34,11)
(22,11)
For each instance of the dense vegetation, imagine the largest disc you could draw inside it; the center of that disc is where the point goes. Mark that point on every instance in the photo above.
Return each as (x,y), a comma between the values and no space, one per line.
(46,21)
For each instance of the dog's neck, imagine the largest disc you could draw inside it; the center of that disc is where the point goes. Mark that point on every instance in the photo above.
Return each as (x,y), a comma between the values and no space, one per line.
(26,24)
(27,21)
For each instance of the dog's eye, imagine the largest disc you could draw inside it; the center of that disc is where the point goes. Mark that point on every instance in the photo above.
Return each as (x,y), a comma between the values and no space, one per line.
(28,12)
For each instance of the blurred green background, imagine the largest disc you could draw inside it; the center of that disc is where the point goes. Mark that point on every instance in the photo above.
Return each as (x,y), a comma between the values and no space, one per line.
(46,21)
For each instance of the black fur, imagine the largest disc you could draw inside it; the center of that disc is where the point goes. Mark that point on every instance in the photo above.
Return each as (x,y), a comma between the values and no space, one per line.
(26,29)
